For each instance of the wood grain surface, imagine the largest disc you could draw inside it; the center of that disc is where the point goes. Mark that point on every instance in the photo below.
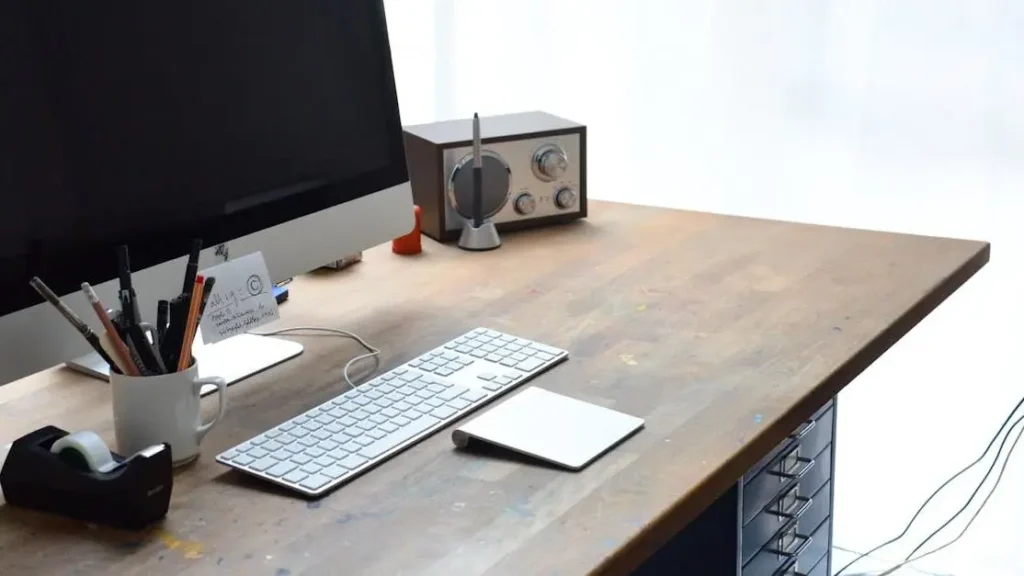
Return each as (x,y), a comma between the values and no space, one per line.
(724,333)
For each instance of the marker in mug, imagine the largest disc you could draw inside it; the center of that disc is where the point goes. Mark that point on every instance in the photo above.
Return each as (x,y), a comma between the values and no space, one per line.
(73,319)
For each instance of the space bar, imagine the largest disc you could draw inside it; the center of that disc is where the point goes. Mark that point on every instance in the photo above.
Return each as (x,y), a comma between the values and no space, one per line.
(415,428)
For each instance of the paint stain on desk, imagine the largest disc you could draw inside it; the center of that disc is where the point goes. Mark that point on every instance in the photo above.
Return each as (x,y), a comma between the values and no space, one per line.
(190,549)
(641,307)
(283,572)
(628,359)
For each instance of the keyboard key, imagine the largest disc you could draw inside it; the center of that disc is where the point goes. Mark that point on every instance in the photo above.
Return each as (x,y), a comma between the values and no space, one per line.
(464,349)
(324,461)
(294,448)
(364,440)
(301,459)
(503,380)
(362,400)
(315,482)
(381,446)
(272,446)
(378,419)
(280,469)
(334,472)
(452,393)
(388,427)
(308,441)
(258,453)
(374,395)
(399,371)
(493,387)
(366,425)
(271,434)
(350,407)
(324,419)
(443,412)
(376,434)
(422,409)
(321,435)
(400,420)
(244,460)
(360,415)
(424,394)
(352,462)
(299,420)
(429,367)
(352,446)
(312,468)
(312,425)
(510,362)
(372,408)
(386,388)
(529,365)
(414,414)
(286,426)
(390,412)
(281,455)
(474,395)
(434,402)
(263,464)
(489,348)
(298,432)
(314,452)
(327,445)
(459,404)
(409,377)
(337,426)
(435,388)
(487,376)
(445,371)
(402,406)
(478,353)
(295,476)
(492,357)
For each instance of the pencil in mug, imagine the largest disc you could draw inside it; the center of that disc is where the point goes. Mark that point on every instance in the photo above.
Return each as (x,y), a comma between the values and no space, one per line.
(91,337)
(121,351)
(185,355)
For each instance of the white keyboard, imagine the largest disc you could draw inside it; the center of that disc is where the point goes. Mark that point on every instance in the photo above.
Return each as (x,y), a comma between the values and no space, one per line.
(340,439)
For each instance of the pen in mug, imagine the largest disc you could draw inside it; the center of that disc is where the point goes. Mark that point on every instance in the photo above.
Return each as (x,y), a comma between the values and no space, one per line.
(121,349)
(185,354)
(73,319)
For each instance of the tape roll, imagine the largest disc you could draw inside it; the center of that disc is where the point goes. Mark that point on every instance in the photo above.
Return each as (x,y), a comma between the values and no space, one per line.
(85,450)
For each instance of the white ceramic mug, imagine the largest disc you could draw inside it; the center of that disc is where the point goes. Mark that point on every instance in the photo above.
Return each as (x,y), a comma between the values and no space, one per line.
(154,409)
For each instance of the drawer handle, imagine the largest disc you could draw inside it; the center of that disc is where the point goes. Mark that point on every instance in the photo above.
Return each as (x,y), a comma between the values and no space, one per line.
(807,427)
(789,569)
(805,541)
(800,503)
(808,463)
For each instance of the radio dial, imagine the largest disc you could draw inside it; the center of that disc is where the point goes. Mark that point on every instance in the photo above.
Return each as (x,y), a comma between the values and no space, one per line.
(549,163)
(565,198)
(525,204)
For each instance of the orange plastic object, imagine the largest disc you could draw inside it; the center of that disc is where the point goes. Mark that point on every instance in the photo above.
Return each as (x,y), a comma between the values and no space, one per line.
(411,243)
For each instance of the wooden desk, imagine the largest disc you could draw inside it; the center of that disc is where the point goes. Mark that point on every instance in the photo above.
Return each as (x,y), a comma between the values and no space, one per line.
(724,333)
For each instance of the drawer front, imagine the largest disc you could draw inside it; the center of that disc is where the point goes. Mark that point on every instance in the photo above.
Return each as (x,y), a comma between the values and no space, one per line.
(796,548)
(821,569)
(815,437)
(804,500)
(796,463)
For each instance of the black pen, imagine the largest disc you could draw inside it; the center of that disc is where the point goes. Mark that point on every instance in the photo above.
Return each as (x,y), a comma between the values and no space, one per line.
(146,352)
(129,302)
(73,319)
(192,267)
(478,175)
(163,310)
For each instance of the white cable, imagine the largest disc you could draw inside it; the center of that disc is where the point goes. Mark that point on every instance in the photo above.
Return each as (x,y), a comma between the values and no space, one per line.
(371,352)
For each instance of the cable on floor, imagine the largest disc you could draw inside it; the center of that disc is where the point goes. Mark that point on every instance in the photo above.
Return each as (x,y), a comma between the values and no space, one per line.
(991,443)
(999,477)
(371,351)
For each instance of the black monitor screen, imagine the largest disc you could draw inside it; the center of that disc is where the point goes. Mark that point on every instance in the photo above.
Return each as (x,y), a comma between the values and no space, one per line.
(152,122)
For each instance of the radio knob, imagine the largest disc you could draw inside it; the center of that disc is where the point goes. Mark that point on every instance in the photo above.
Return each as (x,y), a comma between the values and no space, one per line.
(549,162)
(565,198)
(525,204)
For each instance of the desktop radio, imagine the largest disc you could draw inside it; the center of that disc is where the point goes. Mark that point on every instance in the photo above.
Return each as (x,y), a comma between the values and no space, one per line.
(534,172)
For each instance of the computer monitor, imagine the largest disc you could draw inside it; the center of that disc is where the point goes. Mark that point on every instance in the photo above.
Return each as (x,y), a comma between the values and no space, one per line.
(263,125)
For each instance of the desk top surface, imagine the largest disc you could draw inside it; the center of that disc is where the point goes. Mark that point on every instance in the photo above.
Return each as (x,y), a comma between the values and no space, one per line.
(724,333)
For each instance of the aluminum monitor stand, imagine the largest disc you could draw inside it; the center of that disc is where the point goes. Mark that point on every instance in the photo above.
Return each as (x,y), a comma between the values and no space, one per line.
(233,359)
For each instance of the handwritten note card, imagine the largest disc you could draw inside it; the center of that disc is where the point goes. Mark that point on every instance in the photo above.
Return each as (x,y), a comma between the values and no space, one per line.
(242,298)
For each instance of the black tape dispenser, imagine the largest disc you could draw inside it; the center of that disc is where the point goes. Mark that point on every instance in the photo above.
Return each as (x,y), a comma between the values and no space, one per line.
(75,475)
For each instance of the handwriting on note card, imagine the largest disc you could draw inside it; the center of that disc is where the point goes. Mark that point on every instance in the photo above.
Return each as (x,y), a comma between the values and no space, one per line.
(242,298)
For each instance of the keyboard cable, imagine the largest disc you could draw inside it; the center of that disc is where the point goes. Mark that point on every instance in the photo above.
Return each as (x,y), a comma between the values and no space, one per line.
(371,351)
(906,529)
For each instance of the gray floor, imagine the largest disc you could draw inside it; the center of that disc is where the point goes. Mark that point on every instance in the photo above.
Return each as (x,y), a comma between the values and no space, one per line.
(899,115)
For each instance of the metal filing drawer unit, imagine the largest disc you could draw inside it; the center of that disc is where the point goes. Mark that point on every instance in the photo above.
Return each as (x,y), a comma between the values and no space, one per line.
(776,521)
